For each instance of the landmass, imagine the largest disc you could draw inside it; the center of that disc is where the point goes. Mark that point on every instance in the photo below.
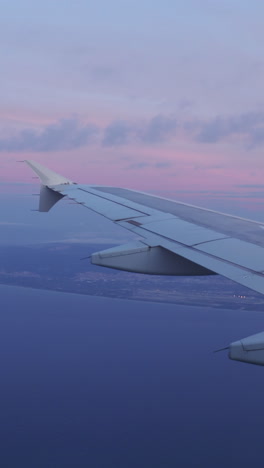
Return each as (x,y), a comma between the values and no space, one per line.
(66,267)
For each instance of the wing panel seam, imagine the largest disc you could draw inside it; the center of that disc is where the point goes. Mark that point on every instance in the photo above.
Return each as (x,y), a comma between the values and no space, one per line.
(114,201)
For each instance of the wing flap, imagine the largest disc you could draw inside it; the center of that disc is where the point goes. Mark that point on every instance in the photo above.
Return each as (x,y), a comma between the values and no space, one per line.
(112,207)
(235,272)
(182,231)
(236,251)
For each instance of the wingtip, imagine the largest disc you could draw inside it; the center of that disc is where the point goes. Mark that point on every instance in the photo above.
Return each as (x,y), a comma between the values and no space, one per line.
(47,177)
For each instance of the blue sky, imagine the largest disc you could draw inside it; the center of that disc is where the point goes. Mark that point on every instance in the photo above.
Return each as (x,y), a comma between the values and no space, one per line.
(159,96)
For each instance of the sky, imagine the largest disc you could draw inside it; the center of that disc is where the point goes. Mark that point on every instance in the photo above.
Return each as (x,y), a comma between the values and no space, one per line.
(164,96)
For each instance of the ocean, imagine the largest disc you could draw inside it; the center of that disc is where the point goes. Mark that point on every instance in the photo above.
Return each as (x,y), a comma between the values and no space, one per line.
(101,383)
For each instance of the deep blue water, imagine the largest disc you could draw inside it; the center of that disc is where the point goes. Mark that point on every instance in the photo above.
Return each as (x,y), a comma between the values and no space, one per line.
(101,383)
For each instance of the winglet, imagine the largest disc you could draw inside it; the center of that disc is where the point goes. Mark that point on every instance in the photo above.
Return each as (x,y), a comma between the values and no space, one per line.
(47,177)
(49,196)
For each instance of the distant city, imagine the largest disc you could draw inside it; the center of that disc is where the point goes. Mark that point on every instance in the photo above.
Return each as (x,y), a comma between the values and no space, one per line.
(66,267)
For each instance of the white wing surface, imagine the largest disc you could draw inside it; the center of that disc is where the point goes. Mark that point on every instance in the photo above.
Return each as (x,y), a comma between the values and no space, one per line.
(177,239)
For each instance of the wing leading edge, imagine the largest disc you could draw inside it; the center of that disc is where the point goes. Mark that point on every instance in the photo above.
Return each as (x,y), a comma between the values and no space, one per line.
(177,239)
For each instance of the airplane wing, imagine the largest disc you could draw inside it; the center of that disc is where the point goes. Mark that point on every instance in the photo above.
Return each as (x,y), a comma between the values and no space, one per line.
(177,239)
